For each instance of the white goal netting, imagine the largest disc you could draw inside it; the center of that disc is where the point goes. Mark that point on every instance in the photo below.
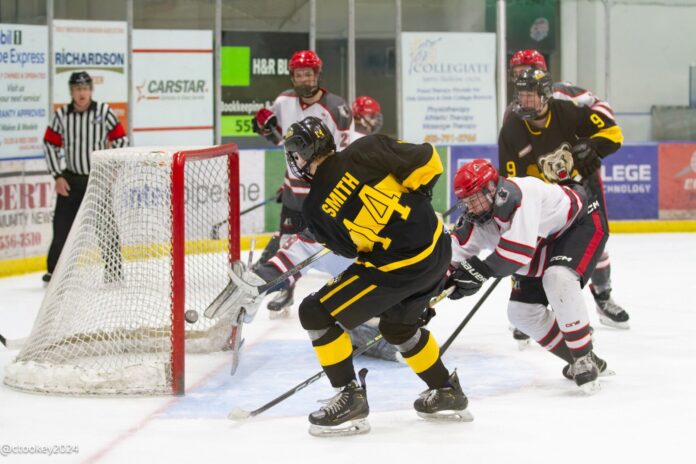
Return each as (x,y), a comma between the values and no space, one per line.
(108,322)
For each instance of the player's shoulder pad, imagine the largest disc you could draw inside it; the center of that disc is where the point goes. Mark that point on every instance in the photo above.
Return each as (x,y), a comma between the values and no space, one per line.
(507,199)
(339,110)
(462,231)
(568,90)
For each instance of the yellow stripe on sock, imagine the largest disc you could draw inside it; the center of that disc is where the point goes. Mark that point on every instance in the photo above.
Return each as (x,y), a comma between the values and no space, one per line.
(334,352)
(426,357)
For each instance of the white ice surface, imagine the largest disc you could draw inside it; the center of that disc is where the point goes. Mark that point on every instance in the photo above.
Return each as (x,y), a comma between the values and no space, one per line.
(525,411)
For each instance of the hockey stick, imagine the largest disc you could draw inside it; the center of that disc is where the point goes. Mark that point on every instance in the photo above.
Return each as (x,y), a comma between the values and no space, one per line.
(237,286)
(15,344)
(451,210)
(240,414)
(215,230)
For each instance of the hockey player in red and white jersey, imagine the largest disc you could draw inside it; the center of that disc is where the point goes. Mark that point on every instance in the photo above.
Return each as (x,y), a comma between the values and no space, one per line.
(549,238)
(305,98)
(367,116)
(610,312)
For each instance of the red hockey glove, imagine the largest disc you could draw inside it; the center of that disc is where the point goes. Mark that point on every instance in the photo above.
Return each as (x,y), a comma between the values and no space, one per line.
(265,123)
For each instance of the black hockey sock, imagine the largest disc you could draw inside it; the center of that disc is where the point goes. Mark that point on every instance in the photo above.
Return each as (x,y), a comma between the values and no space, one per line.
(579,342)
(561,350)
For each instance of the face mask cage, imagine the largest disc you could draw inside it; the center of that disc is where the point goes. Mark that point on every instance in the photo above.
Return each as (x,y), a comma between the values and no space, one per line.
(298,166)
(478,207)
(528,113)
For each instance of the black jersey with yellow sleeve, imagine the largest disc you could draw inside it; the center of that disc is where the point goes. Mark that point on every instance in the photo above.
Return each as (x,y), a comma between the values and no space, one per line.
(520,143)
(368,202)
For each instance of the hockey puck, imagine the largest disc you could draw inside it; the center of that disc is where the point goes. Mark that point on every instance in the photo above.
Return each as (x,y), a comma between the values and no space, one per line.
(191,316)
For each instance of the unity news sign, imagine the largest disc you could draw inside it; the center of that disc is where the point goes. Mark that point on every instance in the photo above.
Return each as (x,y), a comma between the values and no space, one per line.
(448,87)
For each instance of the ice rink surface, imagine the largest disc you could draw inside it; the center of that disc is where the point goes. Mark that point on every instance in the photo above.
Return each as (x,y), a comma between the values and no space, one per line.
(525,411)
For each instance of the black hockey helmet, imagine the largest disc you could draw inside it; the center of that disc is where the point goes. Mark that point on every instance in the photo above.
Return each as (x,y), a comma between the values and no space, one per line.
(305,141)
(80,78)
(532,80)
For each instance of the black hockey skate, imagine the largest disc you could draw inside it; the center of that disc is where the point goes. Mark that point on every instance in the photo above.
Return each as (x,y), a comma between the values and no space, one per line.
(345,414)
(521,337)
(610,314)
(585,371)
(279,306)
(569,372)
(444,404)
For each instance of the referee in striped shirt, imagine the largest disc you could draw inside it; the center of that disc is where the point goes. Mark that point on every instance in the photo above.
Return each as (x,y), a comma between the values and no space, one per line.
(79,128)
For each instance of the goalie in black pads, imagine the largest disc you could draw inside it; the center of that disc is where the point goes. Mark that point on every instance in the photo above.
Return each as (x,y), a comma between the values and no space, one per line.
(371,202)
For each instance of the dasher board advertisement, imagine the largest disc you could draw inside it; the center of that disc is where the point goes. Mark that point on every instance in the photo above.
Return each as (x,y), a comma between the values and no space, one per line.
(23,89)
(173,87)
(448,87)
(254,71)
(101,49)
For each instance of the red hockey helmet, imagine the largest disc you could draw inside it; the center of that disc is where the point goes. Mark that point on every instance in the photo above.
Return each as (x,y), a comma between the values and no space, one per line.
(528,58)
(367,114)
(305,59)
(523,60)
(475,185)
(366,106)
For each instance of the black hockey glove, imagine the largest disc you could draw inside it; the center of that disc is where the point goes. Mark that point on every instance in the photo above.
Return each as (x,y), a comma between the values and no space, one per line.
(468,278)
(279,194)
(585,158)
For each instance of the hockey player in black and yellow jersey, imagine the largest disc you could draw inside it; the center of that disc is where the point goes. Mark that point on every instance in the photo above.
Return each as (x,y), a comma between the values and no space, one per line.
(542,127)
(371,202)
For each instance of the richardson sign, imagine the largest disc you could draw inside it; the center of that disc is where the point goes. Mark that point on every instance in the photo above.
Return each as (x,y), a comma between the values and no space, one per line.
(101,49)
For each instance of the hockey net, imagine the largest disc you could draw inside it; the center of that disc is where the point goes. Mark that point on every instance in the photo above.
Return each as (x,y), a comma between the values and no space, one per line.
(140,253)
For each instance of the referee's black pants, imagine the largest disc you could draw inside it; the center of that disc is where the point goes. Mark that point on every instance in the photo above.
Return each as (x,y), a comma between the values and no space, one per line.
(106,228)
(64,215)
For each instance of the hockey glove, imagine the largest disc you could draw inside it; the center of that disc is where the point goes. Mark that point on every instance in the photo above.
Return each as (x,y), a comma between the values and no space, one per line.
(585,158)
(468,278)
(265,123)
